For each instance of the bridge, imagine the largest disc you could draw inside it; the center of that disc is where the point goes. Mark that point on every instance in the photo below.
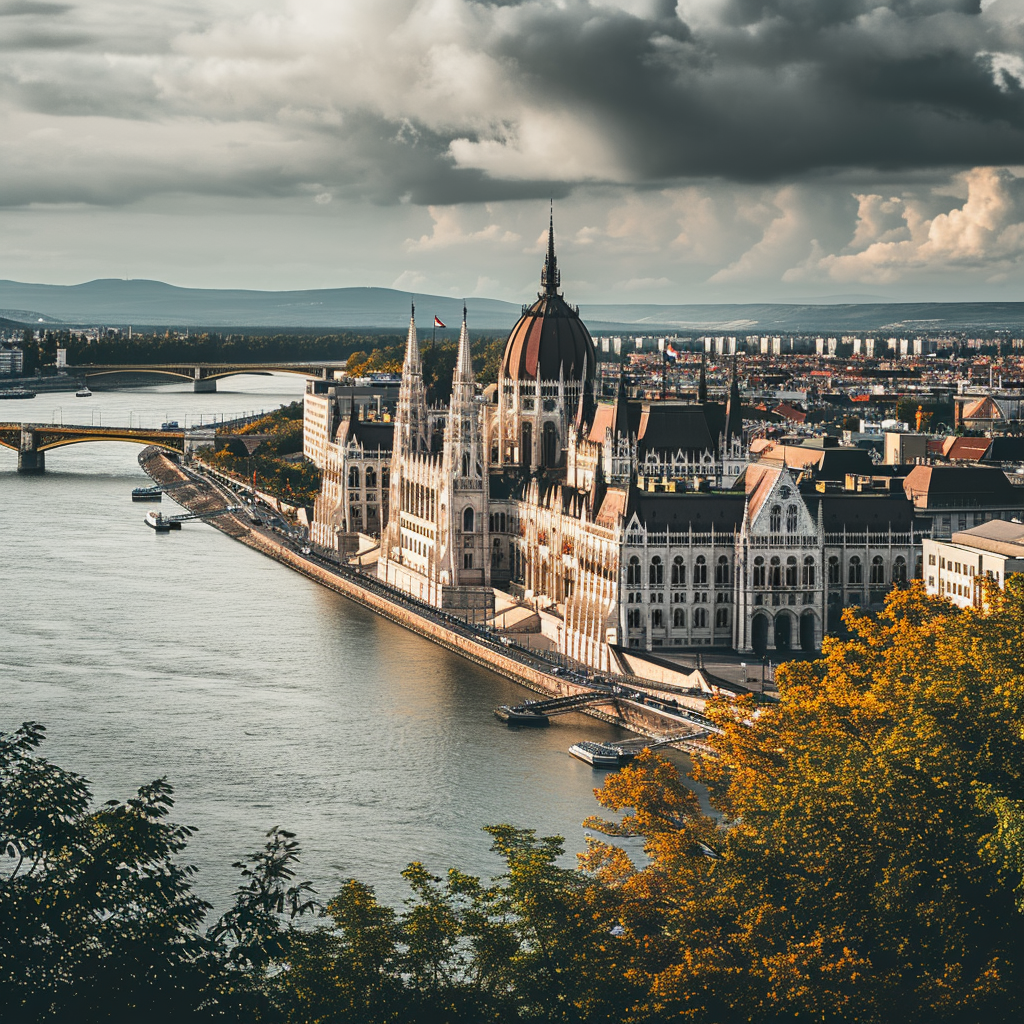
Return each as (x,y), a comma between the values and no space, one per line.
(204,376)
(32,440)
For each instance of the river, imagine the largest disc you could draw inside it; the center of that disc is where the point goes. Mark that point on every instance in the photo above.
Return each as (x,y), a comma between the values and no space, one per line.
(264,698)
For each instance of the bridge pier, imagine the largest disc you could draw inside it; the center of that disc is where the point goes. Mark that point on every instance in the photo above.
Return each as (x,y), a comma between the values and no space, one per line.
(203,387)
(31,462)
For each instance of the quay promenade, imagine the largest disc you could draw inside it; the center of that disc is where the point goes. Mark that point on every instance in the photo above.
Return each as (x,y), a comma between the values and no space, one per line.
(646,708)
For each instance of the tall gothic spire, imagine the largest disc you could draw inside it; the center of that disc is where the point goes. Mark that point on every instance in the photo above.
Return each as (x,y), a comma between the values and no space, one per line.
(733,411)
(464,362)
(550,279)
(702,386)
(412,346)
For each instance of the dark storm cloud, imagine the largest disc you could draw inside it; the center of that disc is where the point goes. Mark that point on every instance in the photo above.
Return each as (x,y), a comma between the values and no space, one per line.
(465,101)
(781,88)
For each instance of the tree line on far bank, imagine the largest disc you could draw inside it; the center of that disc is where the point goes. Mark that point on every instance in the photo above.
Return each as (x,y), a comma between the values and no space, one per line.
(865,864)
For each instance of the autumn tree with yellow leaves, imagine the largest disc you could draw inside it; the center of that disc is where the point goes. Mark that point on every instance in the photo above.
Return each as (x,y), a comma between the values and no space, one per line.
(868,862)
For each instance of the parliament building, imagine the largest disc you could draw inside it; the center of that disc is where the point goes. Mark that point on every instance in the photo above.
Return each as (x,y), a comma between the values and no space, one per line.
(634,523)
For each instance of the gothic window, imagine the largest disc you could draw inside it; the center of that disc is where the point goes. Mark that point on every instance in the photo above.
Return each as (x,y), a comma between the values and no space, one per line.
(899,570)
(834,577)
(633,572)
(678,572)
(501,522)
(722,575)
(775,573)
(353,476)
(467,521)
(791,519)
(808,574)
(656,575)
(550,445)
(657,617)
(759,571)
(465,464)
(526,452)
(371,477)
(721,618)
(856,573)
(633,618)
(385,478)
(467,560)
(791,571)
(679,597)
(700,618)
(700,572)
(775,519)
(678,618)
(877,570)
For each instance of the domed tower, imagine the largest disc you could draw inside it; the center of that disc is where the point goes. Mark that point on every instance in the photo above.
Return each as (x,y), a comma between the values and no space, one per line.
(549,360)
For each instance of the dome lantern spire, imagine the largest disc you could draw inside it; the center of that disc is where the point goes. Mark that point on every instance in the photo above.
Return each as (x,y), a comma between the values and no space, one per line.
(550,279)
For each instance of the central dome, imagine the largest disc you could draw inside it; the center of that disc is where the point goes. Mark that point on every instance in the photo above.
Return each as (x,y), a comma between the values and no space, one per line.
(550,338)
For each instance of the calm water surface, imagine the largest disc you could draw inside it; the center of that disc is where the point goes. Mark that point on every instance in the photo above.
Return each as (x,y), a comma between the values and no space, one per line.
(265,699)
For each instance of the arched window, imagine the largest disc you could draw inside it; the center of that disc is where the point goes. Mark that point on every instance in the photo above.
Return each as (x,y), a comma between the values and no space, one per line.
(385,478)
(353,476)
(856,574)
(678,618)
(721,618)
(633,618)
(791,519)
(759,571)
(371,476)
(657,619)
(775,519)
(678,572)
(526,451)
(877,571)
(633,572)
(467,519)
(834,574)
(700,618)
(465,464)
(808,574)
(550,445)
(723,577)
(775,572)
(899,570)
(700,572)
(656,573)
(791,571)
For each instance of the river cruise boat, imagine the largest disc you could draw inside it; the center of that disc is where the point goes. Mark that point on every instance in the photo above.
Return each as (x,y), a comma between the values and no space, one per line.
(147,494)
(17,393)
(83,392)
(157,521)
(600,755)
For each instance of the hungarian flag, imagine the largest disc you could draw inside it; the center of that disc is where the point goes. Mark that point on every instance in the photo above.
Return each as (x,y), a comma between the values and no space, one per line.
(671,353)
(437,322)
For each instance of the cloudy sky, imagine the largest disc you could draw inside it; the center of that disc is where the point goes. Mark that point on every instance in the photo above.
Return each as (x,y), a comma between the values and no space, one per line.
(699,150)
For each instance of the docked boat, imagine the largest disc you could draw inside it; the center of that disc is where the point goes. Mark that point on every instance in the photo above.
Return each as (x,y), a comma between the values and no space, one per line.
(157,521)
(600,755)
(147,493)
(521,715)
(17,393)
(84,392)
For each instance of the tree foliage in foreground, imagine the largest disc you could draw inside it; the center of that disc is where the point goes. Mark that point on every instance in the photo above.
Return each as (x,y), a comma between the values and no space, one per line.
(864,864)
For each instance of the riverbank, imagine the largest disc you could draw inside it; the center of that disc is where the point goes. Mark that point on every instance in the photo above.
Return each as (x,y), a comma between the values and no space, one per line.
(199,493)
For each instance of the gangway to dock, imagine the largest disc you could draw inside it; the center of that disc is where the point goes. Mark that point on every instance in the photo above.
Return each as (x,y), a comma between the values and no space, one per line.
(537,712)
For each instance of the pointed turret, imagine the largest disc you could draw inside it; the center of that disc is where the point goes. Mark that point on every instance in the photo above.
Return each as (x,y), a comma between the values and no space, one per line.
(464,361)
(702,386)
(412,346)
(550,279)
(733,410)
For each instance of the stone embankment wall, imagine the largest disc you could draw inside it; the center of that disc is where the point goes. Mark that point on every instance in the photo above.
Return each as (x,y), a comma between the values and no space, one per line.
(201,494)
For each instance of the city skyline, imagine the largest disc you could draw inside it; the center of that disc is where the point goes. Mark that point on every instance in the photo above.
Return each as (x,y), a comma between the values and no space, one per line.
(695,152)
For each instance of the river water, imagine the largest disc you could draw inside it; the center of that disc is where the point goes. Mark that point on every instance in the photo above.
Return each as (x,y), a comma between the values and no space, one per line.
(264,698)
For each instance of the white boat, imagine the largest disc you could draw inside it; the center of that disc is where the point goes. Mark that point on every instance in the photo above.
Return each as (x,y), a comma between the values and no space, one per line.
(84,392)
(600,755)
(157,521)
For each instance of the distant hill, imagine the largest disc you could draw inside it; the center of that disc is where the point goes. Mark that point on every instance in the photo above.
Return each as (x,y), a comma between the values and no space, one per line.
(155,304)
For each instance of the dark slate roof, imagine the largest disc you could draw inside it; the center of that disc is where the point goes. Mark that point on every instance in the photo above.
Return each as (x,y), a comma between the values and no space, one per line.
(374,435)
(859,512)
(679,511)
(957,486)
(671,426)
(1006,449)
